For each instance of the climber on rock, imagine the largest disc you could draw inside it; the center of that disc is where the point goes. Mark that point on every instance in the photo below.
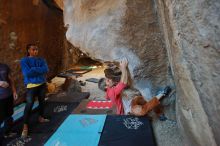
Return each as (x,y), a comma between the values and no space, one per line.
(117,83)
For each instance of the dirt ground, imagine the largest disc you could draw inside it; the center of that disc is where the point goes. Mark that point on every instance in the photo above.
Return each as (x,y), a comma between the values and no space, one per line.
(166,132)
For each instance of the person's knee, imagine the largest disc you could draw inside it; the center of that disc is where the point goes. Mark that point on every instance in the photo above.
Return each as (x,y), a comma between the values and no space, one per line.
(138,100)
(137,110)
(30,97)
(29,101)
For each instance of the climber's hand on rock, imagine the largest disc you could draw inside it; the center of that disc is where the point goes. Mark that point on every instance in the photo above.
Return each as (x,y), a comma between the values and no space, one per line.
(124,63)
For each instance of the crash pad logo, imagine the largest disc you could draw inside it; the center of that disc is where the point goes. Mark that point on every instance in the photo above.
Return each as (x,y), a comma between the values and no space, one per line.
(57,142)
(88,121)
(19,141)
(60,108)
(132,123)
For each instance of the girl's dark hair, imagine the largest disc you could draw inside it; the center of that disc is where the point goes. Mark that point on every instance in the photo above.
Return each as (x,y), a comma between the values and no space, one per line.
(112,74)
(28,47)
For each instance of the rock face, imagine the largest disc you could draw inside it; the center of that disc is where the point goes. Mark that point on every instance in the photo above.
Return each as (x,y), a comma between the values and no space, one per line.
(144,31)
(112,29)
(192,35)
(59,3)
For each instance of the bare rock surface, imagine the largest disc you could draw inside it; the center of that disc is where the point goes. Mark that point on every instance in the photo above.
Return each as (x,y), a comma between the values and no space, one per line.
(192,36)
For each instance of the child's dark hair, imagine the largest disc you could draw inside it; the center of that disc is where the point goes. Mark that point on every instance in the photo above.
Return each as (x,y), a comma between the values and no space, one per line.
(112,74)
(28,47)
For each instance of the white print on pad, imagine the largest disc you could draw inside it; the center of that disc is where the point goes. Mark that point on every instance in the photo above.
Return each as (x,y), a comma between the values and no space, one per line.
(132,123)
(60,108)
(88,121)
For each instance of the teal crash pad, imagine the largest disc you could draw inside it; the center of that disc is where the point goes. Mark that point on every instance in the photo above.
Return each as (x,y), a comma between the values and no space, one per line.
(78,130)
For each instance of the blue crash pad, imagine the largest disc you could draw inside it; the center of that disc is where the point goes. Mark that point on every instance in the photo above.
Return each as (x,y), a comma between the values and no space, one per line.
(78,130)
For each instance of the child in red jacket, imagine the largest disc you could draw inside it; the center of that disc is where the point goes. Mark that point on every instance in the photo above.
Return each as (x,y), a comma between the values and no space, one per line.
(115,87)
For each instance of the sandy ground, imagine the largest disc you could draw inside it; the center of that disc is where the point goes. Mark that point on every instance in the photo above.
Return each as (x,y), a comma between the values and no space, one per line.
(95,92)
(166,132)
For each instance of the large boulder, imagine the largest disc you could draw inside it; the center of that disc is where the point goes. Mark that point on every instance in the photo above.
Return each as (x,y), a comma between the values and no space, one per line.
(109,30)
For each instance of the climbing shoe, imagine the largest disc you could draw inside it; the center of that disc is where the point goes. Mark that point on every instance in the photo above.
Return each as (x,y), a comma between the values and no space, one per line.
(166,90)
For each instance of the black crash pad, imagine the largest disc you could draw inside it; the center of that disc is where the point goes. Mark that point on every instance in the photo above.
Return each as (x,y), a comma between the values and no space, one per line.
(127,131)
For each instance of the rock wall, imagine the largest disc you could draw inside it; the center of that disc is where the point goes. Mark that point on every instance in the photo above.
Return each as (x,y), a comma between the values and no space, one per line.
(59,3)
(192,35)
(23,22)
(70,56)
(142,31)
(109,30)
